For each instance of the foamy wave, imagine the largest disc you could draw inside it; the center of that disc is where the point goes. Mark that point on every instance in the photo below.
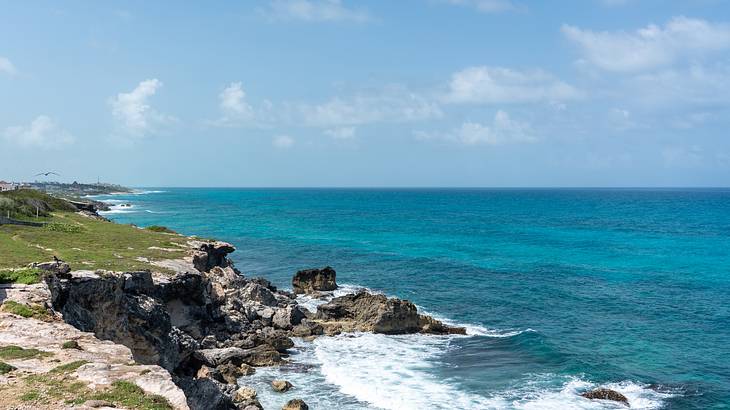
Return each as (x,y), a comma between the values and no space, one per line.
(536,395)
(122,207)
(146,192)
(364,370)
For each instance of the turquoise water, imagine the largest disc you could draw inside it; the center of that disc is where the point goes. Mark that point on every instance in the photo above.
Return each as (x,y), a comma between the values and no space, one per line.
(562,290)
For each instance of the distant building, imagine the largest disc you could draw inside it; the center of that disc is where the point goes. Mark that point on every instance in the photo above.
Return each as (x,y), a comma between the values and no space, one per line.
(7,186)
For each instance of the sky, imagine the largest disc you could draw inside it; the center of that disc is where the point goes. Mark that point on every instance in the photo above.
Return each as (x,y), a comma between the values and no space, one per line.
(339,93)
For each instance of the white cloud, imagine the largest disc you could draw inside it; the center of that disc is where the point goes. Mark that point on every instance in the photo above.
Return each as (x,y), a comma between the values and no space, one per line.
(233,105)
(315,11)
(502,130)
(695,85)
(42,132)
(6,66)
(503,85)
(649,47)
(134,114)
(394,104)
(488,6)
(341,133)
(283,141)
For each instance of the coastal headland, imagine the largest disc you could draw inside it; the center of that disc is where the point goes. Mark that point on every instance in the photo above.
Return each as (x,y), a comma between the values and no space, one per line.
(98,314)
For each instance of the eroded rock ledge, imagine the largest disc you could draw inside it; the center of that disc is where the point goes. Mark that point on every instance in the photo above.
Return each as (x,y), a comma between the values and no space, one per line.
(208,324)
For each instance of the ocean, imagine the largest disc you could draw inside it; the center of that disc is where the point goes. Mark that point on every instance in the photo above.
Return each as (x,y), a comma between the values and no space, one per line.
(562,290)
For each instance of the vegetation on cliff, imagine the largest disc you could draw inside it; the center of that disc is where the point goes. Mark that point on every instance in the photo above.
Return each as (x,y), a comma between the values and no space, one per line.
(85,243)
(26,203)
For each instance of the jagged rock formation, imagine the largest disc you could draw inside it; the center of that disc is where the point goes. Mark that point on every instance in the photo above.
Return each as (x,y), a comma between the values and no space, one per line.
(367,312)
(313,280)
(214,318)
(208,325)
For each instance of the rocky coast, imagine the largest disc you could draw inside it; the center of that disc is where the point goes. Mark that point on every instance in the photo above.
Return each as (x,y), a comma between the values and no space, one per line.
(192,331)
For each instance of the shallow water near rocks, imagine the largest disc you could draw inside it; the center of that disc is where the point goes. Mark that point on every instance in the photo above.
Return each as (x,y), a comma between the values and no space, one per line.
(562,290)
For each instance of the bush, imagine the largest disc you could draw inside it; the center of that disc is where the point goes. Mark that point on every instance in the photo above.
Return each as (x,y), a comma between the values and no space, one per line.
(63,227)
(20,309)
(26,276)
(71,344)
(158,228)
(6,368)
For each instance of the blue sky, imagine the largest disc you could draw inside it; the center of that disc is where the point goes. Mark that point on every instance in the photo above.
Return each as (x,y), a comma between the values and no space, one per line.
(378,93)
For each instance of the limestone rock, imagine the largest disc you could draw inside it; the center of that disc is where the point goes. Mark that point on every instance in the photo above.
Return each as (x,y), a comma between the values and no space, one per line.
(257,293)
(368,312)
(281,385)
(296,404)
(288,317)
(311,280)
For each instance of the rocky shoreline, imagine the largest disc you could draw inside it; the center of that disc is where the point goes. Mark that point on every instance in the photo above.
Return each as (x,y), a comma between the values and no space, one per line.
(208,324)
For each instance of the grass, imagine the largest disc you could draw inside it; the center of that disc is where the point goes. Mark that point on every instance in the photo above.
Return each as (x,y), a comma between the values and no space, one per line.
(60,386)
(69,367)
(130,395)
(158,228)
(20,309)
(6,368)
(30,396)
(12,352)
(26,276)
(96,245)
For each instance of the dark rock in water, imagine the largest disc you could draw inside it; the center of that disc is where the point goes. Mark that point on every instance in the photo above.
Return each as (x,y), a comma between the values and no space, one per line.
(281,385)
(367,312)
(296,404)
(606,394)
(278,339)
(310,280)
(307,328)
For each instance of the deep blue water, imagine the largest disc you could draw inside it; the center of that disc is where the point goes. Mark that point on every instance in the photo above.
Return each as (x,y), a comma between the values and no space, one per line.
(564,289)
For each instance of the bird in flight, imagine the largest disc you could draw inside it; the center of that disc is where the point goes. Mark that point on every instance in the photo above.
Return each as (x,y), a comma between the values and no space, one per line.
(48,173)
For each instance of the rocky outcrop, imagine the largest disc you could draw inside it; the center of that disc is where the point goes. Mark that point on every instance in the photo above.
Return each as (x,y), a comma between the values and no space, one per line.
(281,386)
(296,404)
(367,312)
(313,280)
(208,325)
(606,394)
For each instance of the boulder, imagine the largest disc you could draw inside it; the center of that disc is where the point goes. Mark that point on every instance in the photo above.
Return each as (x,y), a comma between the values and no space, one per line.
(288,317)
(368,312)
(210,254)
(307,328)
(59,268)
(246,397)
(606,394)
(217,357)
(296,404)
(281,385)
(263,355)
(256,293)
(230,372)
(311,280)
